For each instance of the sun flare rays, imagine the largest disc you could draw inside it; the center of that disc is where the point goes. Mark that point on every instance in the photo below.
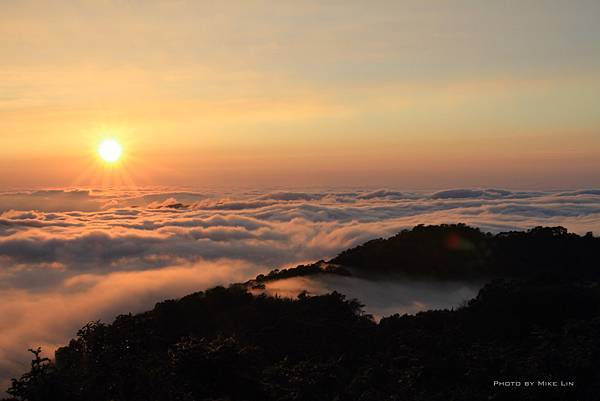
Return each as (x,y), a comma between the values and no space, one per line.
(110,164)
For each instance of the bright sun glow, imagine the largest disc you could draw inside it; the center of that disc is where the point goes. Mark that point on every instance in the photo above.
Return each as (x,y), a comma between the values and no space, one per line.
(110,151)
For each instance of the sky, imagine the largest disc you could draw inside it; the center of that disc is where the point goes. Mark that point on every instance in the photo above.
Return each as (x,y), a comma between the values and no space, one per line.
(403,94)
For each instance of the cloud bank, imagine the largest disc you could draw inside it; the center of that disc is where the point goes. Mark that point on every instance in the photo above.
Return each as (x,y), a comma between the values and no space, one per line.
(70,256)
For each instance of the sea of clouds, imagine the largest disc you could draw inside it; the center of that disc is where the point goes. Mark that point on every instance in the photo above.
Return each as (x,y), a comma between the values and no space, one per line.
(71,256)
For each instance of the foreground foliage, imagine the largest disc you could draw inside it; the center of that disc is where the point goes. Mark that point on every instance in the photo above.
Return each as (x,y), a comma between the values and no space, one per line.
(226,344)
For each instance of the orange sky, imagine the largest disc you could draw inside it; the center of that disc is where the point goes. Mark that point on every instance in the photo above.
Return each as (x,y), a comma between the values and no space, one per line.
(399,93)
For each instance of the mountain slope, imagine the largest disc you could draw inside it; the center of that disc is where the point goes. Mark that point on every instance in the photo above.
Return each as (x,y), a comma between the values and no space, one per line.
(458,251)
(226,344)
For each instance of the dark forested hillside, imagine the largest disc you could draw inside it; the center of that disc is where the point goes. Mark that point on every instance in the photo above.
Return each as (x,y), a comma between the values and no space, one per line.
(227,344)
(458,251)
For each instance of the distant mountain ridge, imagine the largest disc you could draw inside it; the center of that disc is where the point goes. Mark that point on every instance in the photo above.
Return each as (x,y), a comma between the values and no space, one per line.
(461,252)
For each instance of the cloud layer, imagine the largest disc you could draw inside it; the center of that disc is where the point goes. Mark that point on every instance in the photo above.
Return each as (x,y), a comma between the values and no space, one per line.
(381,298)
(70,256)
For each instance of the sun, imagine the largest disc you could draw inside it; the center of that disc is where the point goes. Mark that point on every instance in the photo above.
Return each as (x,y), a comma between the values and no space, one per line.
(110,151)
